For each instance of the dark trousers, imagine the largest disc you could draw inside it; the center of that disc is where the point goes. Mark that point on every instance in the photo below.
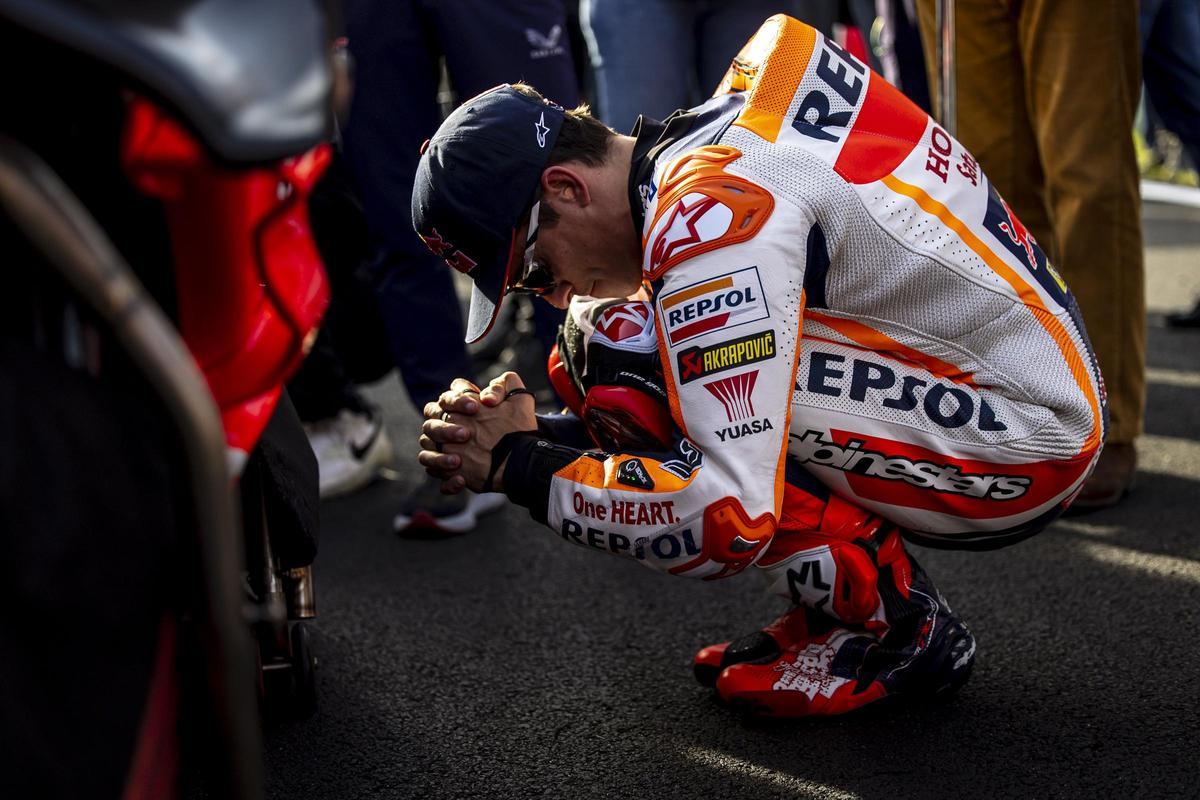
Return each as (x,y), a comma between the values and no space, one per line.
(396,45)
(1171,67)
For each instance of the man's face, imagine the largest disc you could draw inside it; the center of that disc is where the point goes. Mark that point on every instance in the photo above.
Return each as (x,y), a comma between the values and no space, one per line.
(581,257)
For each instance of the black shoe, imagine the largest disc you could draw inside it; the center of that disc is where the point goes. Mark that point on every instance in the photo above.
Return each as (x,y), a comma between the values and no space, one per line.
(1109,482)
(1185,319)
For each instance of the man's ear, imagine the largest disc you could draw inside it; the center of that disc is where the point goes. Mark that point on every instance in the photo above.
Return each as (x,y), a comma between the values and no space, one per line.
(566,185)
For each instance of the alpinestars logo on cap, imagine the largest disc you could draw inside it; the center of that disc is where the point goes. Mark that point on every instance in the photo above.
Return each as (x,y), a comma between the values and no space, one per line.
(540,128)
(735,393)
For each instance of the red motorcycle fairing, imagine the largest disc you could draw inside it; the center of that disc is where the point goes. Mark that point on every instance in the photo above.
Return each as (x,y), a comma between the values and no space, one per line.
(250,285)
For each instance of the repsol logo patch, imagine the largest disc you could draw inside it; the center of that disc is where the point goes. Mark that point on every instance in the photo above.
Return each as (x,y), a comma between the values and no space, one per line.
(664,547)
(868,381)
(811,448)
(700,362)
(722,302)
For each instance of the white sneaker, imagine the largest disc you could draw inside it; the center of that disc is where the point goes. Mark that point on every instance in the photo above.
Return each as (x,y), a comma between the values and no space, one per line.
(426,510)
(351,450)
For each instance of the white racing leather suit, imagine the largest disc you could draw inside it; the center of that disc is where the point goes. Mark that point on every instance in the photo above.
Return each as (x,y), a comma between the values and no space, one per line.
(838,293)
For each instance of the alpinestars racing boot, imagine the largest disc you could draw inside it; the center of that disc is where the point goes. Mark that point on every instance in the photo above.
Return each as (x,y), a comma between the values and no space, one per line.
(867,624)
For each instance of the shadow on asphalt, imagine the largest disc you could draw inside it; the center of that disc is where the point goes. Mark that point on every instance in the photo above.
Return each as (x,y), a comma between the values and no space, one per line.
(509,664)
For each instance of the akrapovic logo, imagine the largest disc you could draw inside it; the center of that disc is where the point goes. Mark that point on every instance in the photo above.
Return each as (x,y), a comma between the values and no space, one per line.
(700,362)
(722,302)
(810,448)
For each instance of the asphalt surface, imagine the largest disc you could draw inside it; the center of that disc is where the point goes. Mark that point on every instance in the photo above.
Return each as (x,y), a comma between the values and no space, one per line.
(507,663)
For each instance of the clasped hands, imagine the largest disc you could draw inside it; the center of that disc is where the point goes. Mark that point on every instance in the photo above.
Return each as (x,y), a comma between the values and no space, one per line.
(463,426)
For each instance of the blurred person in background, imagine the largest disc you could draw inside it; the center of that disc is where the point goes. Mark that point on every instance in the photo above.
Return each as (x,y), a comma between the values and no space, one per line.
(1043,90)
(655,56)
(345,430)
(398,47)
(1171,72)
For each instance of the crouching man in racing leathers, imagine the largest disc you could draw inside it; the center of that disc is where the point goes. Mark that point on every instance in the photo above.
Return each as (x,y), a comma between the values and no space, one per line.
(841,339)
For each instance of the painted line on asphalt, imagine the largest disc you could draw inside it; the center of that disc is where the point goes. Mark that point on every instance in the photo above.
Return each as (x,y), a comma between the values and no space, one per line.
(1169,455)
(738,766)
(1091,530)
(1094,541)
(1173,377)
(1160,192)
(1156,564)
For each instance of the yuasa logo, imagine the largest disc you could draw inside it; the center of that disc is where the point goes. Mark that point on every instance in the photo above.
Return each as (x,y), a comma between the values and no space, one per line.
(722,302)
(627,326)
(695,219)
(736,394)
(739,430)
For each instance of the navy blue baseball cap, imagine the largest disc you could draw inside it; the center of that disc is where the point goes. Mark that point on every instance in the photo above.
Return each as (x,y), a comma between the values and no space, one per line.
(476,179)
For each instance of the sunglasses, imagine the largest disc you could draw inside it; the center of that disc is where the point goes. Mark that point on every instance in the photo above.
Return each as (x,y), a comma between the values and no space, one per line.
(536,277)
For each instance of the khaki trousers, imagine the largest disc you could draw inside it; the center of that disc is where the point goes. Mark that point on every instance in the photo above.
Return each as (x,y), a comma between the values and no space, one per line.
(1046,95)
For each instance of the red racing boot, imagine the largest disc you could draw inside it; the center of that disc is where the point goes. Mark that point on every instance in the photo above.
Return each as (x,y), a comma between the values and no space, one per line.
(868,624)
(763,646)
(927,652)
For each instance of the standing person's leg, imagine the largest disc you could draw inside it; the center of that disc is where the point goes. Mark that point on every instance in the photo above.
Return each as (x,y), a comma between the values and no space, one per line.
(642,55)
(1171,61)
(1083,109)
(489,42)
(394,110)
(909,53)
(993,120)
(346,433)
(722,28)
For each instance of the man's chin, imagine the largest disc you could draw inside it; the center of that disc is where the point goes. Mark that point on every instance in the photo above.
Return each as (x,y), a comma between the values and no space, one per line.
(561,296)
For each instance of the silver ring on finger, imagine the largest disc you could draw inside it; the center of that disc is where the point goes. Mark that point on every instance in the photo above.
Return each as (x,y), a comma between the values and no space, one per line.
(445,416)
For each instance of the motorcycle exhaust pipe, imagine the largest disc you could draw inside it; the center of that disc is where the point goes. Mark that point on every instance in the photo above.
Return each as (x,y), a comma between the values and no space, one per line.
(66,234)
